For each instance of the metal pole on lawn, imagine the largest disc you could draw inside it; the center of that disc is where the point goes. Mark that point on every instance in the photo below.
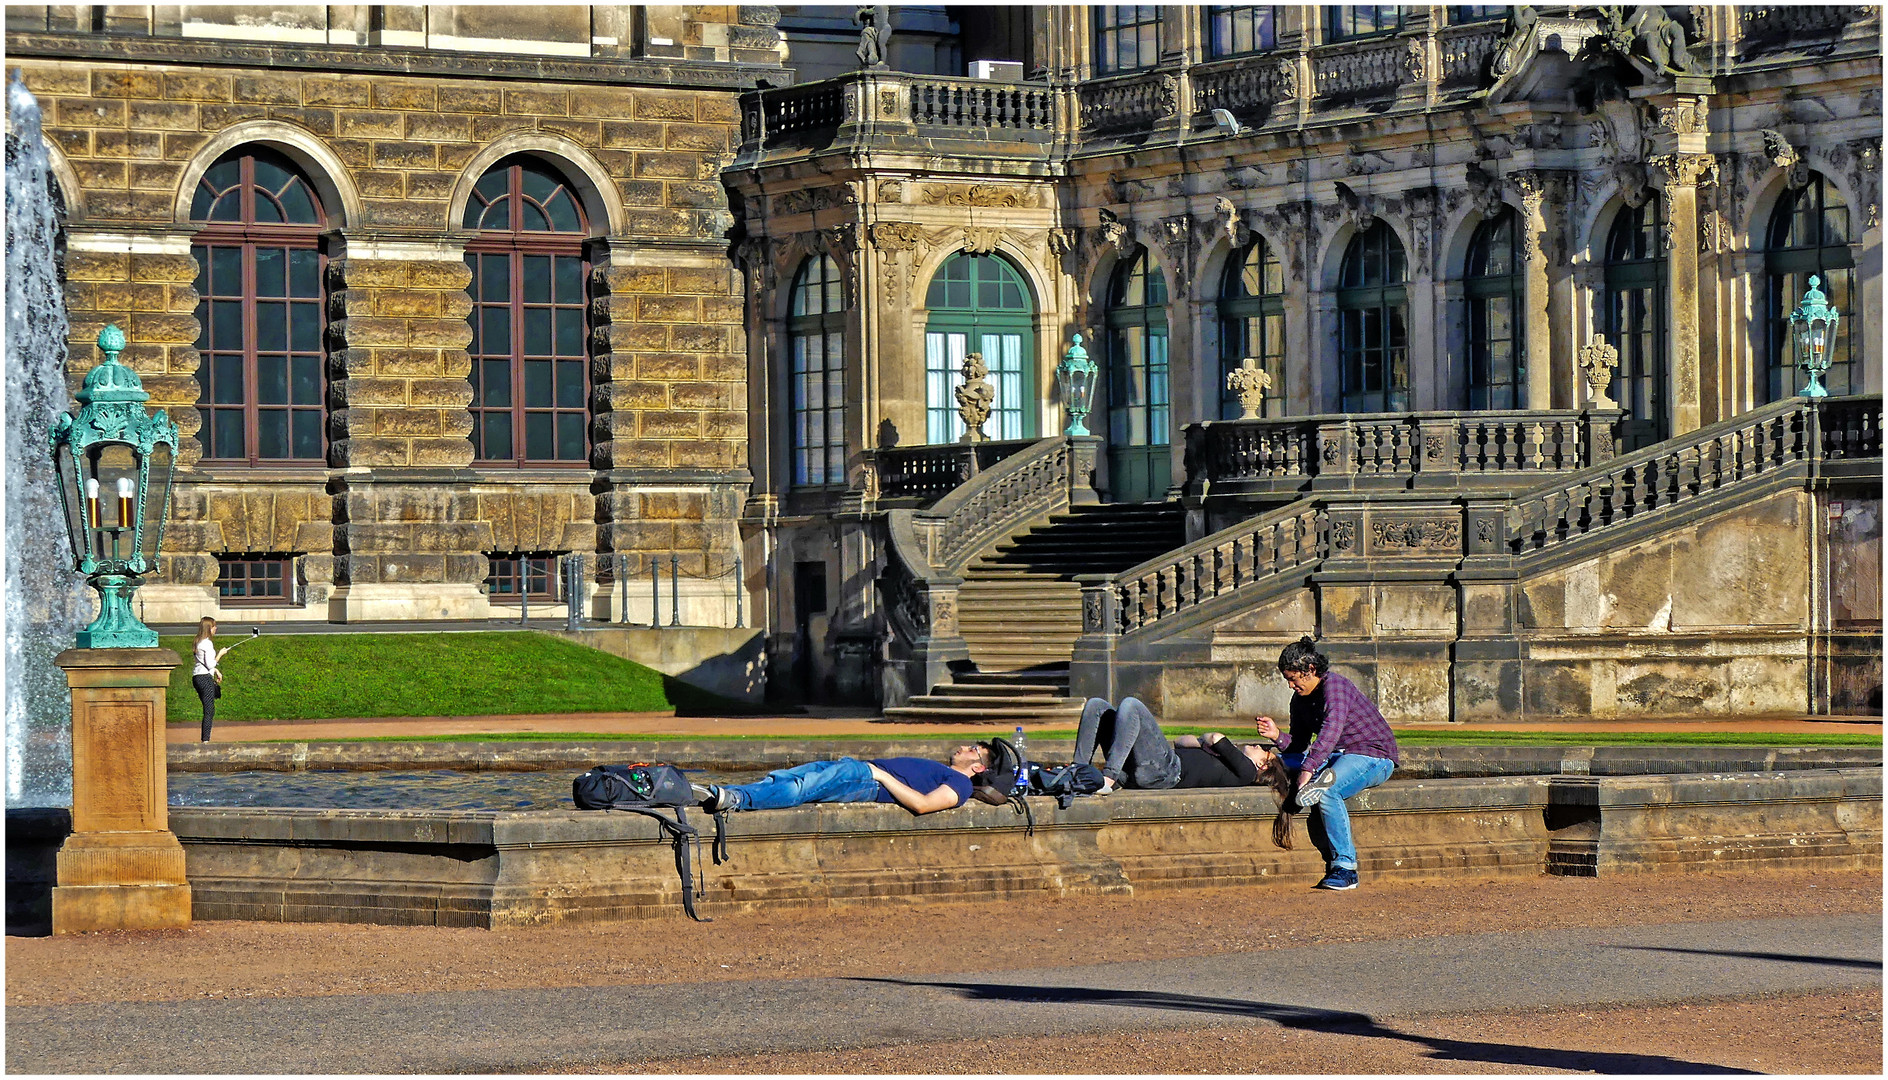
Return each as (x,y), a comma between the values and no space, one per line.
(740,586)
(675,591)
(655,594)
(524,590)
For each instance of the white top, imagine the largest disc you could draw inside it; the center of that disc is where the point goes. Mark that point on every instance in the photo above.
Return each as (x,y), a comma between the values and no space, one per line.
(206,658)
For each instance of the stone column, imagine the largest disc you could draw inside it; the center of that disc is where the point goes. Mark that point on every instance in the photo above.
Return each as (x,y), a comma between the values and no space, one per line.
(1680,175)
(1538,220)
(122,868)
(1485,669)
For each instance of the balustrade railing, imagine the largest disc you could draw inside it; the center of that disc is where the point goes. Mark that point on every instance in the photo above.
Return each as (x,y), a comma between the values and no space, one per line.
(932,472)
(1230,559)
(1465,50)
(1246,84)
(982,105)
(1352,69)
(1771,20)
(1129,100)
(779,114)
(1391,450)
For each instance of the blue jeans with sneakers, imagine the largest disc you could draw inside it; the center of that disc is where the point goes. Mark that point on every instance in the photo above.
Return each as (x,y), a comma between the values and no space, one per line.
(845,780)
(1330,818)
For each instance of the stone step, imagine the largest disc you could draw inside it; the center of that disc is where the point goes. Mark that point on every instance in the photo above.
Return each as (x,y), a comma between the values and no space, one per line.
(1056,675)
(906,714)
(1006,690)
(953,701)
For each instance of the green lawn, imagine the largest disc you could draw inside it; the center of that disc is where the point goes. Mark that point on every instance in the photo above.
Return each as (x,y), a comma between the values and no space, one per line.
(318,676)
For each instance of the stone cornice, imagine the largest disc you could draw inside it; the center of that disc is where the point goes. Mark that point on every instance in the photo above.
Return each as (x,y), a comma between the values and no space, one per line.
(381,59)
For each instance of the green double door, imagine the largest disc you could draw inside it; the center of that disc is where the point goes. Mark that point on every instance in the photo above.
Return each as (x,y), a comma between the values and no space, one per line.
(1139,398)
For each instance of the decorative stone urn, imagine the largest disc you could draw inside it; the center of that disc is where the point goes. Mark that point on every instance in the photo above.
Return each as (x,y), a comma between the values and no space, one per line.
(1250,382)
(974,397)
(1597,363)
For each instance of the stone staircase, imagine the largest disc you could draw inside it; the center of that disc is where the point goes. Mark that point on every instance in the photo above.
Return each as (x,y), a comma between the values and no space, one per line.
(1020,611)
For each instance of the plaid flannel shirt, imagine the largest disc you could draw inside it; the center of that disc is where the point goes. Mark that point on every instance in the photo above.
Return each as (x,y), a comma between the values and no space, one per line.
(1351,724)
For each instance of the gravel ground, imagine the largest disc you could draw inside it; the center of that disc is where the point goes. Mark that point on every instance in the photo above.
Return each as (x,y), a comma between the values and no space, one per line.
(1830,1033)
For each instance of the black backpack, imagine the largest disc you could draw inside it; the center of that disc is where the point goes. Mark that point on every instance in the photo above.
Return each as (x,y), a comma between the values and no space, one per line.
(1064,781)
(640,789)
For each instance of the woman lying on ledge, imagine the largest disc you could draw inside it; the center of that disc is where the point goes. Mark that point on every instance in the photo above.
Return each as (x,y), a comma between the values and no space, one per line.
(1137,754)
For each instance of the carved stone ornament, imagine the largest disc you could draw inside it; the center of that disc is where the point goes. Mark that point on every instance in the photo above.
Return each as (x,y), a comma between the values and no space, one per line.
(1091,613)
(1113,232)
(982,241)
(1416,534)
(977,195)
(1690,118)
(1785,157)
(1648,37)
(1167,97)
(888,102)
(1250,382)
(1416,60)
(891,191)
(1359,210)
(1485,531)
(896,236)
(1597,361)
(1484,190)
(1227,220)
(1435,445)
(1176,240)
(943,614)
(1518,43)
(974,397)
(1864,176)
(840,239)
(1343,535)
(1714,233)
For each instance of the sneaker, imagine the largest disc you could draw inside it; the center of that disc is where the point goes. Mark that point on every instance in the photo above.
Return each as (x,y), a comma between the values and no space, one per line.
(1107,786)
(1338,879)
(1313,793)
(713,798)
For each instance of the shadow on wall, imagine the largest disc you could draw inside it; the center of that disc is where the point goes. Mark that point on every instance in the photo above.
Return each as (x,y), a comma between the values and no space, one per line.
(34,834)
(703,667)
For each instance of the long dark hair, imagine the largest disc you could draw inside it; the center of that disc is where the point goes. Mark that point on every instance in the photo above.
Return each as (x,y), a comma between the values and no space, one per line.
(1275,776)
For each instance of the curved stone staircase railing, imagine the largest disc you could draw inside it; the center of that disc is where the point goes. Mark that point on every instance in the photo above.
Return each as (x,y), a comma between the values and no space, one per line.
(1438,534)
(927,550)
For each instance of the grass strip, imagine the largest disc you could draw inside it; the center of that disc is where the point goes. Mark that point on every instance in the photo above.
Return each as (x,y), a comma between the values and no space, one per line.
(322,676)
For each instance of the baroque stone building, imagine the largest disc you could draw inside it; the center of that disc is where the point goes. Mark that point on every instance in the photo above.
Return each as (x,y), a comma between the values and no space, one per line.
(438,294)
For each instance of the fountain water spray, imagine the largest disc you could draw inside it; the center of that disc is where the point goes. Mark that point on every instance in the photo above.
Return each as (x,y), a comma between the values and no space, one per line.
(46,602)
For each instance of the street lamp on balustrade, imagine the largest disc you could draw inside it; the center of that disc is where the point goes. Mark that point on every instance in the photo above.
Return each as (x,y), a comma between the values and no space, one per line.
(1076,376)
(108,454)
(1814,322)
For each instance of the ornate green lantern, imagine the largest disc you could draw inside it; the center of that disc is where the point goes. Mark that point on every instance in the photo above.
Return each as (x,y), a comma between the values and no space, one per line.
(1814,322)
(106,455)
(1076,375)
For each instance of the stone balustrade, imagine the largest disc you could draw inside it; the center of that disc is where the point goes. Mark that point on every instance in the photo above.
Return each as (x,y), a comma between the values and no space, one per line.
(1129,101)
(1358,69)
(775,116)
(981,106)
(1245,85)
(928,473)
(1465,50)
(1392,451)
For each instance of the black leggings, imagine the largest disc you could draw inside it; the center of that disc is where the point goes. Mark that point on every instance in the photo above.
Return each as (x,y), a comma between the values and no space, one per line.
(206,691)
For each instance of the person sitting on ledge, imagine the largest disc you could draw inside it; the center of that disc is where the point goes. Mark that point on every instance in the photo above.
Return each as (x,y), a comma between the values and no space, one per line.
(920,785)
(1339,743)
(1137,754)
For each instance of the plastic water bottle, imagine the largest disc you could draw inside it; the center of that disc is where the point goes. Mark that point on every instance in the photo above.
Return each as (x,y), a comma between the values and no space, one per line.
(1022,764)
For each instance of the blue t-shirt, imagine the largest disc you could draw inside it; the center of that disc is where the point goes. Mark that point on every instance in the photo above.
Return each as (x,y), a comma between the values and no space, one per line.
(923,776)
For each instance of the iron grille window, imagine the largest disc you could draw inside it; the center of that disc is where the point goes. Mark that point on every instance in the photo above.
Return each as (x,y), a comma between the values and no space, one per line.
(533,572)
(1497,364)
(1252,323)
(1344,21)
(531,391)
(1126,38)
(256,580)
(1809,236)
(817,342)
(1635,319)
(1373,324)
(1239,29)
(259,311)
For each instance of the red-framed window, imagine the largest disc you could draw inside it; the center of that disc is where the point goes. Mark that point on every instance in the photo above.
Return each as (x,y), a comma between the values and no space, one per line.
(530,383)
(262,380)
(256,580)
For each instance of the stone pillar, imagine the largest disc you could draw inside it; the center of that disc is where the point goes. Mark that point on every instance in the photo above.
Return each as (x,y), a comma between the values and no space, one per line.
(122,868)
(1536,186)
(1680,176)
(1485,669)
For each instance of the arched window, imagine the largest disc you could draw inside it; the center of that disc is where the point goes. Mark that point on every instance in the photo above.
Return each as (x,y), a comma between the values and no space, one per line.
(1635,319)
(1252,323)
(1809,236)
(978,303)
(816,341)
(530,386)
(1373,324)
(1138,395)
(1497,360)
(259,311)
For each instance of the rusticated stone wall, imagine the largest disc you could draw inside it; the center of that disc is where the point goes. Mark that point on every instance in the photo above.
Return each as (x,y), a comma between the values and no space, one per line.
(399,509)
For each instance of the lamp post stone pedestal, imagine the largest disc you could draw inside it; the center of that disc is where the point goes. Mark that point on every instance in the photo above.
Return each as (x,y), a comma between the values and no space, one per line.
(122,868)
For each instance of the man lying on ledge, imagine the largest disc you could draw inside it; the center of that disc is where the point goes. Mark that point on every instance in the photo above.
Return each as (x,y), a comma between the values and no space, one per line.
(920,785)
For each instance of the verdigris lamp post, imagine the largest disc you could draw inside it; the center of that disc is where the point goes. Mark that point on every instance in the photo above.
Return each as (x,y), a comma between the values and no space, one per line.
(121,868)
(1814,322)
(1076,376)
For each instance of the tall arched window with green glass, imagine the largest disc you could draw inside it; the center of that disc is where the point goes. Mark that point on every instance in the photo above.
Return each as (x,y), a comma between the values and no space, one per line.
(1138,394)
(1252,323)
(1635,320)
(1809,236)
(979,303)
(816,344)
(1373,324)
(1497,362)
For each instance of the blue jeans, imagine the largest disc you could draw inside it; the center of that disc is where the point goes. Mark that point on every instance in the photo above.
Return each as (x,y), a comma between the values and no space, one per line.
(1131,741)
(845,780)
(1330,818)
